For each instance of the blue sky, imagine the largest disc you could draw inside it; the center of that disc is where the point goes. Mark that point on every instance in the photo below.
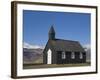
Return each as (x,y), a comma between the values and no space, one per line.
(67,25)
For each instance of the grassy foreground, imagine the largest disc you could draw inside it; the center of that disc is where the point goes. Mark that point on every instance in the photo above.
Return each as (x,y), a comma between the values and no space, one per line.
(36,66)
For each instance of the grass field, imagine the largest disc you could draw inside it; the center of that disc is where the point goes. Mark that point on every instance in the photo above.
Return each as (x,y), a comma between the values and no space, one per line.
(36,66)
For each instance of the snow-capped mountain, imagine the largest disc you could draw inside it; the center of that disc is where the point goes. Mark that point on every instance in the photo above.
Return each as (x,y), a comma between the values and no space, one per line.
(32,54)
(30,46)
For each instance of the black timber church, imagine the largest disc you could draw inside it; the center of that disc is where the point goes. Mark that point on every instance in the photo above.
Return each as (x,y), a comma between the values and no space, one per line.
(59,51)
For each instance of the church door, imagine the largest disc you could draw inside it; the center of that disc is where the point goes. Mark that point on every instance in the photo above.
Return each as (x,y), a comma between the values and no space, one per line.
(49,57)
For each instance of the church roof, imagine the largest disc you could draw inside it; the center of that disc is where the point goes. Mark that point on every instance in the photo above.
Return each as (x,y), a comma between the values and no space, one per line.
(65,45)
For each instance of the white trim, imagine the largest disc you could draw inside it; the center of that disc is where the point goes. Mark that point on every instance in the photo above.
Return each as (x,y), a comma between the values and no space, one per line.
(49,56)
(73,55)
(63,55)
(81,55)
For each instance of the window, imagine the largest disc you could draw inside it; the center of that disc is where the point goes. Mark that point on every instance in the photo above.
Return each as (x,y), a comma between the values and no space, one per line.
(63,55)
(81,55)
(73,55)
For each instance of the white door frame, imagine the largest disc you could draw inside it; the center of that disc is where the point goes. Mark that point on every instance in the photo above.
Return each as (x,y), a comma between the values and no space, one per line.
(49,56)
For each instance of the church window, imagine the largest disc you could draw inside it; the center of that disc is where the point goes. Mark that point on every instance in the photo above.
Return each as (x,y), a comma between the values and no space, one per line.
(73,55)
(81,55)
(63,55)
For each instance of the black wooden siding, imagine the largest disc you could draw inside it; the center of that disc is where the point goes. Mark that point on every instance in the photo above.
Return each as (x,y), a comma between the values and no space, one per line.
(68,59)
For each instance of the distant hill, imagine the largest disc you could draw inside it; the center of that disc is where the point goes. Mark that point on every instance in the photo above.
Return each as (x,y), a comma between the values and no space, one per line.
(32,56)
(88,52)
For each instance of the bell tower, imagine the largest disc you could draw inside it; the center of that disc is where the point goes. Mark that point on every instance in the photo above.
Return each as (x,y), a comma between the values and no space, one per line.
(51,33)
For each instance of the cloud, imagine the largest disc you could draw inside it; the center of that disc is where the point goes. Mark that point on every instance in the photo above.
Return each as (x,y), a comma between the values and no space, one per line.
(87,46)
(29,46)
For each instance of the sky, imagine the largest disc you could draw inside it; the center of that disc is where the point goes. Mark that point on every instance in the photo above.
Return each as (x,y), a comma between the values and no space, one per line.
(67,25)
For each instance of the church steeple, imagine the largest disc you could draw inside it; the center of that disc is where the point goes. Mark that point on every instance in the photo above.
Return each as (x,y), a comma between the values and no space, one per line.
(52,33)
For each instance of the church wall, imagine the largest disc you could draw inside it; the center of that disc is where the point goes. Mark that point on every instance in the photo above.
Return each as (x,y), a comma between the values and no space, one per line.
(68,59)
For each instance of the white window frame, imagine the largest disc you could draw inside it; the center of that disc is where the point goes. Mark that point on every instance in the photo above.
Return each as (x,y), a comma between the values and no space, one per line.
(73,55)
(81,55)
(63,55)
